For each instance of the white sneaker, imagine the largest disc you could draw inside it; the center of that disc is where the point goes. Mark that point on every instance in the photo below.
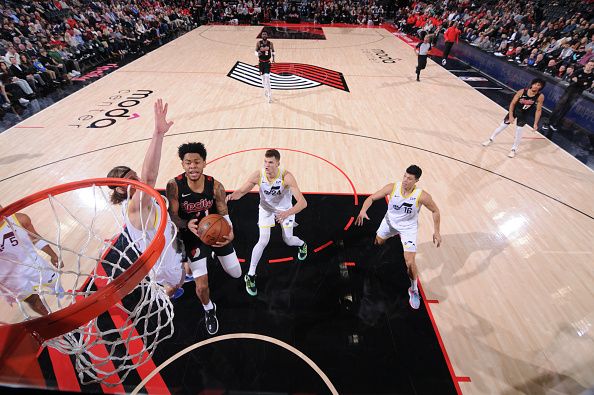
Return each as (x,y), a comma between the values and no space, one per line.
(23,101)
(443,62)
(486,143)
(413,298)
(511,154)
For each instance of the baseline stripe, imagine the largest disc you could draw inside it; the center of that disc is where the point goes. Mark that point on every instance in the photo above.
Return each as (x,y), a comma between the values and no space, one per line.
(65,374)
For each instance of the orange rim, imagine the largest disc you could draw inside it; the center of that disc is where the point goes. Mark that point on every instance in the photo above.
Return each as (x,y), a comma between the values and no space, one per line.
(81,312)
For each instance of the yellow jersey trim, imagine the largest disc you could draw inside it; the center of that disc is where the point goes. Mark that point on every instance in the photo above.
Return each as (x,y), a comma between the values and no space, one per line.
(418,198)
(274,179)
(14,219)
(409,195)
(393,193)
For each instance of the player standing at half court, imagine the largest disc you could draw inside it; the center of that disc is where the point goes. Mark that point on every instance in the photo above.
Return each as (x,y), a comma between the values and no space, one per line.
(526,102)
(402,218)
(277,188)
(265,54)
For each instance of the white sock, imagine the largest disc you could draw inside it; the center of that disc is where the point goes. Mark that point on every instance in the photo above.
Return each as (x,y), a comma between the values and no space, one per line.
(413,284)
(291,240)
(258,250)
(263,77)
(498,130)
(208,306)
(231,264)
(267,81)
(518,138)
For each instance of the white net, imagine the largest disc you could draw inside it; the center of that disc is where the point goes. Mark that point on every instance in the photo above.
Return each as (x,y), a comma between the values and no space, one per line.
(91,247)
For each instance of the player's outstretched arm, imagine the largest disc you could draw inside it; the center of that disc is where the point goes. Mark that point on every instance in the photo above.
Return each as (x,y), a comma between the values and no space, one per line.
(291,182)
(427,201)
(251,182)
(222,209)
(152,159)
(385,191)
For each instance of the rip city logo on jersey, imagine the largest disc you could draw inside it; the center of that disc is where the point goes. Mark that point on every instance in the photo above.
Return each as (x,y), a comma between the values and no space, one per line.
(289,76)
(200,205)
(274,191)
(9,238)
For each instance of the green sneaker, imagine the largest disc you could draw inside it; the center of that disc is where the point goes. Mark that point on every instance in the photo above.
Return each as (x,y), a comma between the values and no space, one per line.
(302,254)
(250,284)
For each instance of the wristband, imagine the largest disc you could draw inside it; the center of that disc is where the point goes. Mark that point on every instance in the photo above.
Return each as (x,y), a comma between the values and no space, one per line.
(40,244)
(228,220)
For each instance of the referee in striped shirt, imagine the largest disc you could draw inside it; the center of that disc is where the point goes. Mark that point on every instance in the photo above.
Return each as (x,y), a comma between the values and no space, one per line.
(422,50)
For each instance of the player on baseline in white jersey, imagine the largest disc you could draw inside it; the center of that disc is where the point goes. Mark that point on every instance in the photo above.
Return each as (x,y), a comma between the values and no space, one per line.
(22,269)
(277,188)
(402,218)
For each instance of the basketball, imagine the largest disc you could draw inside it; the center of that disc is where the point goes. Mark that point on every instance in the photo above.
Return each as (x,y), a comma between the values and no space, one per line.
(212,228)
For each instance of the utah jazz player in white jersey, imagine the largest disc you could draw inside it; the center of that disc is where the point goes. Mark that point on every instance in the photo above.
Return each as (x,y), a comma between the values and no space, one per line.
(22,270)
(277,188)
(141,213)
(405,202)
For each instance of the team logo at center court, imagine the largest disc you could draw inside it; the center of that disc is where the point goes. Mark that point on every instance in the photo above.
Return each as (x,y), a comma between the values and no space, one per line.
(289,76)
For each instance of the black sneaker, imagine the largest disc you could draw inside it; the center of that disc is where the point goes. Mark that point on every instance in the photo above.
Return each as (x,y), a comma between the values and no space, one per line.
(210,319)
(250,285)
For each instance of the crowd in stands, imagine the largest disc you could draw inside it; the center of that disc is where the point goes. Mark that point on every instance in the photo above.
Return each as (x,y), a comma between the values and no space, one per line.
(254,12)
(556,38)
(47,43)
(44,44)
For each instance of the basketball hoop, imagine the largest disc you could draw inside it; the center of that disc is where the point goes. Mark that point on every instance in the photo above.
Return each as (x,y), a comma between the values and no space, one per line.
(100,270)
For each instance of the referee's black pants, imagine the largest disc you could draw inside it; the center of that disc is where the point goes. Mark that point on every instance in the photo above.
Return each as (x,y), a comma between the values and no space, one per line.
(563,106)
(421,64)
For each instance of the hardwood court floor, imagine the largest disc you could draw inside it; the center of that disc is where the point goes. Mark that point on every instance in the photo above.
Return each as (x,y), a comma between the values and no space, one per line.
(514,275)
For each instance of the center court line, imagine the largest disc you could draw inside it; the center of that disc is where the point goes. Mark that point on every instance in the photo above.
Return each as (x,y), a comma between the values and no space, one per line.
(235,336)
(333,132)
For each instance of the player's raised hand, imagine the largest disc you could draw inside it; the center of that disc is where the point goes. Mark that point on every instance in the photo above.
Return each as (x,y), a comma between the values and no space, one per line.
(360,218)
(161,123)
